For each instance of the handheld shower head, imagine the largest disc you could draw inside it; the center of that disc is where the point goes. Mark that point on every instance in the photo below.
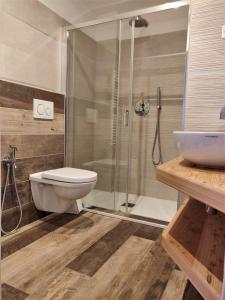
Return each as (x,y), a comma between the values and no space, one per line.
(159,98)
(13,154)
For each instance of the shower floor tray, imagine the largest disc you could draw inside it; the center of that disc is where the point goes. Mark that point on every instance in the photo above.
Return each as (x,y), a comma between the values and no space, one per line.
(144,206)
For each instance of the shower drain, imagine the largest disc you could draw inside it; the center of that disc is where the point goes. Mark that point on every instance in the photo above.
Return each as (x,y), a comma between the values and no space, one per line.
(128,204)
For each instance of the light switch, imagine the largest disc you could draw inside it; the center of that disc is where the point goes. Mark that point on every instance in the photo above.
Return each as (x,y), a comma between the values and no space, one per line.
(43,109)
(223,32)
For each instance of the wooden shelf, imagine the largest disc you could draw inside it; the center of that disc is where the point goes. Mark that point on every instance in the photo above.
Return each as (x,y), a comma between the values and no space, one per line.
(196,241)
(206,185)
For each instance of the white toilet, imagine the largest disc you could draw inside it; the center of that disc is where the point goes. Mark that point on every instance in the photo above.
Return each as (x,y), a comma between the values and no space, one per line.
(57,190)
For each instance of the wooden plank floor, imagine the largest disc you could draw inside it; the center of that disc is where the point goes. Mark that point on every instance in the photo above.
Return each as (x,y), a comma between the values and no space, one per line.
(88,257)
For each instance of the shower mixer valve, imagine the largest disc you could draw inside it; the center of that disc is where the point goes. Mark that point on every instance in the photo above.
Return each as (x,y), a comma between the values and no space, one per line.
(142,107)
(11,159)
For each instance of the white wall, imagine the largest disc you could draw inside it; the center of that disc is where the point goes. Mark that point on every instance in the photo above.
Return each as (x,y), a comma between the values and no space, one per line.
(206,66)
(79,11)
(32,47)
(161,22)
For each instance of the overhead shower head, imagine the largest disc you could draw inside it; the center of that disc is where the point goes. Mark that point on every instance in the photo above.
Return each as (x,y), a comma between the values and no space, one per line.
(138,22)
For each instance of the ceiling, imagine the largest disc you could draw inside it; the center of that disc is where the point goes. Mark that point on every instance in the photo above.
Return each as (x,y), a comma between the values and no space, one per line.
(159,23)
(78,11)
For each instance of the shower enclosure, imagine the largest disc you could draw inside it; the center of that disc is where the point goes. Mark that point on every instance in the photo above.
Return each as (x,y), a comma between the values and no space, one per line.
(125,88)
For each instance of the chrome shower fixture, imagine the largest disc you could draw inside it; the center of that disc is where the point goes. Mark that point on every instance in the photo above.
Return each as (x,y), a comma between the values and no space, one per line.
(222,113)
(14,149)
(142,106)
(138,22)
(11,159)
(157,137)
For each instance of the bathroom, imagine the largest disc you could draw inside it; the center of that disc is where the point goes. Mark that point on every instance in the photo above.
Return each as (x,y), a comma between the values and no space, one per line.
(100,102)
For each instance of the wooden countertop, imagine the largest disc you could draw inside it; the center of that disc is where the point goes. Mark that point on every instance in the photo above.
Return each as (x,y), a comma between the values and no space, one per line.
(205,185)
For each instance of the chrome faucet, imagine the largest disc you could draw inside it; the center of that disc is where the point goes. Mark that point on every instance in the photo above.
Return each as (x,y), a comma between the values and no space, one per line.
(222,113)
(11,160)
(14,149)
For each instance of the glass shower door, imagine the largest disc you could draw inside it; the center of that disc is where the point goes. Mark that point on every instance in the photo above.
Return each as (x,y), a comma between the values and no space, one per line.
(92,89)
(125,112)
(158,73)
(114,68)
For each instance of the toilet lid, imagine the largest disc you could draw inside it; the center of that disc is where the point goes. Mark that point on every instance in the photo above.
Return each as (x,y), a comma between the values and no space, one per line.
(70,175)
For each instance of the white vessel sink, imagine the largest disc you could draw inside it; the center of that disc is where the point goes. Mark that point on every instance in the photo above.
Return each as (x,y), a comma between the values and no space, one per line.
(202,148)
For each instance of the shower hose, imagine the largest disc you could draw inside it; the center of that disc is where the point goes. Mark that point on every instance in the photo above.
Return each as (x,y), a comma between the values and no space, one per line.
(157,140)
(17,196)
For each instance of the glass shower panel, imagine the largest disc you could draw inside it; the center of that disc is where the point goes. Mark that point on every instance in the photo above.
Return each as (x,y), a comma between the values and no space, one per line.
(115,70)
(159,73)
(123,143)
(92,91)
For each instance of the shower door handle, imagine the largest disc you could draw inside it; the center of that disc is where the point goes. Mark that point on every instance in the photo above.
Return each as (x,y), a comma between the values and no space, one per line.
(126,118)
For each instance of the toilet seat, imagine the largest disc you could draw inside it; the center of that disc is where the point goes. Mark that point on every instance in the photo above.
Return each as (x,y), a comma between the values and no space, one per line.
(37,177)
(70,175)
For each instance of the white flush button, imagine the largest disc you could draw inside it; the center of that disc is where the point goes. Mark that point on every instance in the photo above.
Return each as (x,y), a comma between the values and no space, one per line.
(48,111)
(40,109)
(43,109)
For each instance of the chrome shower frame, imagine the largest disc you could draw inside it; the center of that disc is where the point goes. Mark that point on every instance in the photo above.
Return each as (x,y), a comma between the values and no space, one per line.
(131,14)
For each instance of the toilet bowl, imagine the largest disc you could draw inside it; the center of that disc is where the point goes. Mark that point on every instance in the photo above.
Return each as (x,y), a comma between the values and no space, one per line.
(57,190)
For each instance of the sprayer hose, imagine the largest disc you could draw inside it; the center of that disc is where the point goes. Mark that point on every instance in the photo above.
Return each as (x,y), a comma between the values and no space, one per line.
(17,196)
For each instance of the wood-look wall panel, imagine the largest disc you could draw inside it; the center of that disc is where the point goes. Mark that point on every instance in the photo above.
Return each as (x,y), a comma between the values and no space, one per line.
(24,191)
(40,145)
(21,97)
(18,121)
(32,145)
(10,216)
(27,166)
(206,67)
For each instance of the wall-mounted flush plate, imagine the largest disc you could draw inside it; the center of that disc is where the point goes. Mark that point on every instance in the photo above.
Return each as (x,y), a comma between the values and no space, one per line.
(43,109)
(223,32)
